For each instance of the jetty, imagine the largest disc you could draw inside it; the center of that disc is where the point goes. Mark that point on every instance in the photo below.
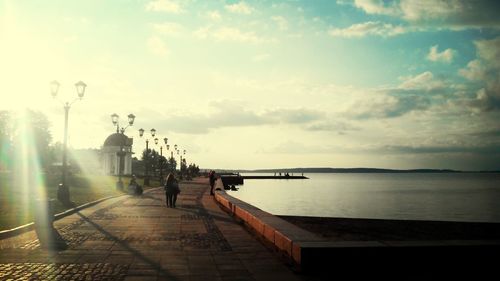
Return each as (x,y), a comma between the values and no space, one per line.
(230,179)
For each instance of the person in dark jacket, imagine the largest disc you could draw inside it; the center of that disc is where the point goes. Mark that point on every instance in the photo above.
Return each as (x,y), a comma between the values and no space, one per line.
(212,178)
(171,190)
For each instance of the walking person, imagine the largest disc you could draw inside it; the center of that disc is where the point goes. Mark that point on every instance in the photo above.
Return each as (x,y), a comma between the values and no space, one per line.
(212,178)
(171,190)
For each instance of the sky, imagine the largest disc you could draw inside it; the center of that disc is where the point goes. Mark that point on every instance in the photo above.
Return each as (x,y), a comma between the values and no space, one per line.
(266,84)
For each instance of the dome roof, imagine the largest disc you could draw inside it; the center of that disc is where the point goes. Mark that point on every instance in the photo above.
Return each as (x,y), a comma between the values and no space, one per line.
(118,139)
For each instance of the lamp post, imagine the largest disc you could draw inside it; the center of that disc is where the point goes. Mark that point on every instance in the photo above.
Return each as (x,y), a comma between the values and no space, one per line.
(146,176)
(161,160)
(121,153)
(172,157)
(184,159)
(63,190)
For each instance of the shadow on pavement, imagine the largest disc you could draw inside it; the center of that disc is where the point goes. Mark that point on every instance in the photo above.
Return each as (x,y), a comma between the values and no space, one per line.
(136,253)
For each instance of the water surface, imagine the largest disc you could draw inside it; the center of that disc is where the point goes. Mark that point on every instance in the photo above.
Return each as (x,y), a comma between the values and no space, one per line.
(416,196)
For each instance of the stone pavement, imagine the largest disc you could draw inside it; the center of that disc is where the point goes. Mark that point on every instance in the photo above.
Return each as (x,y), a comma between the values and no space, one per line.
(139,238)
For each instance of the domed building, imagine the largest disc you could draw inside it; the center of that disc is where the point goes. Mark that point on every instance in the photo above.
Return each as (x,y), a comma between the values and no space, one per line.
(110,154)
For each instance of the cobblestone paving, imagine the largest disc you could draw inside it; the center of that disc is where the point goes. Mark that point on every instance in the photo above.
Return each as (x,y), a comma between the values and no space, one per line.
(139,238)
(43,271)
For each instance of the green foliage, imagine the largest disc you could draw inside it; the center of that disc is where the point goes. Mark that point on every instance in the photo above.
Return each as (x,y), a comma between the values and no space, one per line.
(14,131)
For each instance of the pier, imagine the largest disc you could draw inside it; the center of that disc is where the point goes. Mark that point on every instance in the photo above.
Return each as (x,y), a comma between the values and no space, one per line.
(229,179)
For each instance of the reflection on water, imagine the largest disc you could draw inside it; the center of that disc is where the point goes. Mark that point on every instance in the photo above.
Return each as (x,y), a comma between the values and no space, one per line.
(426,196)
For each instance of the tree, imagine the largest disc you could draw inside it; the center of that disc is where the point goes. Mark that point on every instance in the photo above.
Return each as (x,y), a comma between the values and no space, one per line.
(31,128)
(5,141)
(171,164)
(193,170)
(40,124)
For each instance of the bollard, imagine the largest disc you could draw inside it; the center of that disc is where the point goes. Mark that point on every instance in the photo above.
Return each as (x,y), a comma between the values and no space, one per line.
(44,213)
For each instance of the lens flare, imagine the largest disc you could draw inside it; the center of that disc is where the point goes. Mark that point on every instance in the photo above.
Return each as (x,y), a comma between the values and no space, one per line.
(28,181)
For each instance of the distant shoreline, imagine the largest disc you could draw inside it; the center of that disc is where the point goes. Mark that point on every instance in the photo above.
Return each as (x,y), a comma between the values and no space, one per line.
(349,170)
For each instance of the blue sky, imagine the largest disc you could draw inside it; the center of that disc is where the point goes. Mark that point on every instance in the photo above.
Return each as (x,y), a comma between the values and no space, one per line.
(264,84)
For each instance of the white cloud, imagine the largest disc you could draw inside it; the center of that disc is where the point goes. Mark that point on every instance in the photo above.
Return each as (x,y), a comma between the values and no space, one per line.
(368,28)
(168,6)
(157,46)
(444,56)
(452,14)
(376,7)
(486,70)
(240,8)
(414,10)
(214,15)
(167,28)
(422,81)
(229,34)
(281,22)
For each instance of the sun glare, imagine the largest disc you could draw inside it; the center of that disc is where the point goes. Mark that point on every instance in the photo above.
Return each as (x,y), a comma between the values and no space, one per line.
(28,182)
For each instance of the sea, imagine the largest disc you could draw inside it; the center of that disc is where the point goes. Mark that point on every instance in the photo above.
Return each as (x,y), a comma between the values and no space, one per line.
(469,197)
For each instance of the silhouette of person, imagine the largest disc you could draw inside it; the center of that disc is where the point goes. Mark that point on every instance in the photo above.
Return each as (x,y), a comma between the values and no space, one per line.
(212,178)
(171,190)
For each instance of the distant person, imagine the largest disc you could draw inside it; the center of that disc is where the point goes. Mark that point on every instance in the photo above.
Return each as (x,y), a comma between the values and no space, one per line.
(134,187)
(212,178)
(171,190)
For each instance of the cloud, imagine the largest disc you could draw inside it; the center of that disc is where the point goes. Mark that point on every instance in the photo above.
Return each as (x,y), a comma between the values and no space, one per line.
(376,7)
(425,9)
(240,8)
(423,81)
(415,93)
(485,69)
(157,46)
(444,56)
(229,34)
(214,15)
(452,14)
(281,22)
(168,6)
(292,116)
(167,28)
(483,149)
(234,114)
(368,28)
(340,127)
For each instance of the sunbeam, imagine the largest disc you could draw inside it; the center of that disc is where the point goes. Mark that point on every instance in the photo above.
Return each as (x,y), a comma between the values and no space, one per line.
(28,181)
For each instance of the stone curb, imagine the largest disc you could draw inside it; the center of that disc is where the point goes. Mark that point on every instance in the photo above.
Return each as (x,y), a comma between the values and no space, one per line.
(308,251)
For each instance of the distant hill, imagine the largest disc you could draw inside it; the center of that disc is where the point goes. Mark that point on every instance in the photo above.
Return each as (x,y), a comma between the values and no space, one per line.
(350,170)
(345,170)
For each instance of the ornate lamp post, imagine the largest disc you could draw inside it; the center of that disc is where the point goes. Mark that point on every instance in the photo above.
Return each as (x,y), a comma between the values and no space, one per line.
(161,160)
(63,190)
(121,153)
(183,159)
(146,176)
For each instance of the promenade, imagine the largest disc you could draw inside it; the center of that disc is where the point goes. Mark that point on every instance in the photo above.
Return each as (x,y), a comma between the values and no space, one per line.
(139,238)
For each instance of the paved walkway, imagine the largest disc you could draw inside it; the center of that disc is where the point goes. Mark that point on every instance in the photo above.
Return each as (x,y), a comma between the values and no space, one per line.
(139,238)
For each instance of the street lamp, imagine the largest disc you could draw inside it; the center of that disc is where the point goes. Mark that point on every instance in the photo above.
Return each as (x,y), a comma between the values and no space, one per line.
(161,160)
(141,133)
(114,119)
(63,190)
